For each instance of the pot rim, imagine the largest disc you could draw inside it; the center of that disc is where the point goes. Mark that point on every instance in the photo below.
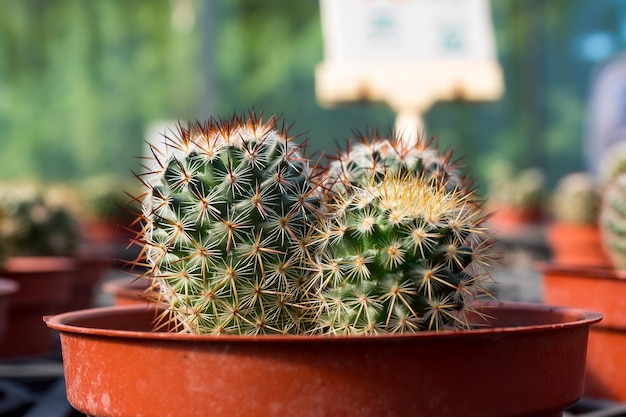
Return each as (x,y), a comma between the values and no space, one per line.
(26,264)
(581,271)
(63,323)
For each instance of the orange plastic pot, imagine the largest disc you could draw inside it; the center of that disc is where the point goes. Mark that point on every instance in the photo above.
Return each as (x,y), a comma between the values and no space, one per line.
(529,361)
(603,290)
(574,244)
(45,285)
(510,220)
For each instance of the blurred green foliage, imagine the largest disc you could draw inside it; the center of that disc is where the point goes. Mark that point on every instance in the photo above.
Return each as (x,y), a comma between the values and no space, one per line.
(81,80)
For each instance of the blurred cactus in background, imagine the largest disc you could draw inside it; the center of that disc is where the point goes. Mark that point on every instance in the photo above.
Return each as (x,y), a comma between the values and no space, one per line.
(38,221)
(576,199)
(107,208)
(573,233)
(515,196)
(613,162)
(107,197)
(613,221)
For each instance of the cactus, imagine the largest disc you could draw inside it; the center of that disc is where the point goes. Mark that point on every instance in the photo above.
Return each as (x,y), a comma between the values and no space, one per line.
(372,156)
(613,221)
(227,218)
(519,190)
(576,199)
(242,235)
(38,221)
(106,197)
(613,162)
(406,250)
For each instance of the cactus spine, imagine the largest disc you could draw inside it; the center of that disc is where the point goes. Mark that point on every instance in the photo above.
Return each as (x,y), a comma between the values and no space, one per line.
(407,249)
(227,218)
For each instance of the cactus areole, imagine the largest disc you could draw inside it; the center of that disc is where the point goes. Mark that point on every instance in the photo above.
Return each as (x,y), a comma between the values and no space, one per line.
(243,234)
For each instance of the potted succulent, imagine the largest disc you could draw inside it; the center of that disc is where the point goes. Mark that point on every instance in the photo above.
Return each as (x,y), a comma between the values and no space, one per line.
(41,238)
(600,289)
(515,197)
(284,288)
(104,209)
(573,234)
(106,216)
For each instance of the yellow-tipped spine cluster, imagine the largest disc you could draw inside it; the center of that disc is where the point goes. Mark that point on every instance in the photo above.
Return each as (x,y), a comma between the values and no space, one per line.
(402,251)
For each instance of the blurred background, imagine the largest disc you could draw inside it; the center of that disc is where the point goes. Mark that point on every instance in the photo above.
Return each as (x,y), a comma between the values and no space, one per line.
(82,81)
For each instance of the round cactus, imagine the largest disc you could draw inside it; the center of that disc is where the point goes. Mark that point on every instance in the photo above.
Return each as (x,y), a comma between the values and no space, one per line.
(613,221)
(576,199)
(227,220)
(372,156)
(406,249)
(37,221)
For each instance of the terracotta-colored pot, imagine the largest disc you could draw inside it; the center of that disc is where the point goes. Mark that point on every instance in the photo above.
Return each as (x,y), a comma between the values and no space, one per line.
(507,219)
(91,267)
(45,285)
(129,291)
(107,232)
(576,244)
(529,362)
(603,290)
(7,287)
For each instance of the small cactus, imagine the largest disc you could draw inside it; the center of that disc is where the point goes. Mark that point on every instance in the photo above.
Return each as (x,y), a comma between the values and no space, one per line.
(576,199)
(613,162)
(521,191)
(106,197)
(613,221)
(372,156)
(37,221)
(227,220)
(407,250)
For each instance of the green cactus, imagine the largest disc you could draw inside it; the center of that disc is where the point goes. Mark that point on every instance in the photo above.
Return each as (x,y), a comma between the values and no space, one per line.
(576,199)
(373,155)
(242,235)
(38,221)
(613,162)
(521,190)
(106,197)
(227,219)
(406,250)
(613,221)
